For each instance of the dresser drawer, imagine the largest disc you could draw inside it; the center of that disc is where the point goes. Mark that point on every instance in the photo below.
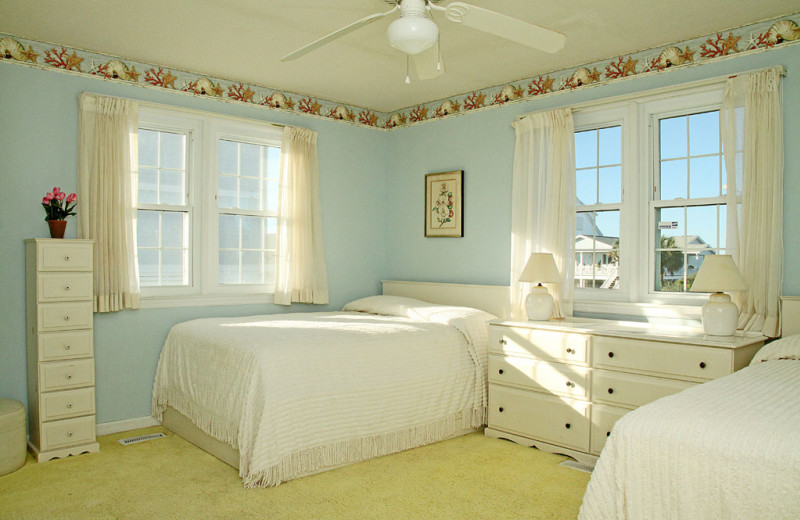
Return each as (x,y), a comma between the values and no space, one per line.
(65,316)
(64,286)
(540,344)
(632,390)
(62,375)
(551,378)
(67,403)
(54,346)
(603,419)
(693,362)
(69,432)
(64,256)
(556,420)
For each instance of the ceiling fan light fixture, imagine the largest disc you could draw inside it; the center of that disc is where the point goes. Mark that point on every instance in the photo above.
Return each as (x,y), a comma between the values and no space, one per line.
(413,33)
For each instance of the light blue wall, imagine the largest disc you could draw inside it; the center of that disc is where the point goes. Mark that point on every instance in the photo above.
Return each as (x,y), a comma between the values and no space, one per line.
(38,150)
(482,144)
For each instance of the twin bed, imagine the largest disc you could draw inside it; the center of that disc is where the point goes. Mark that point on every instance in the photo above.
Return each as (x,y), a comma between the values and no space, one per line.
(282,396)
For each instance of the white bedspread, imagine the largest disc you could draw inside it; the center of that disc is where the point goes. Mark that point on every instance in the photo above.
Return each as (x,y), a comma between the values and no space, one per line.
(727,449)
(298,393)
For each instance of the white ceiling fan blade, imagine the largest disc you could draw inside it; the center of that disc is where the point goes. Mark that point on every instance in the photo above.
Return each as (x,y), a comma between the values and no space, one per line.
(427,63)
(336,34)
(506,27)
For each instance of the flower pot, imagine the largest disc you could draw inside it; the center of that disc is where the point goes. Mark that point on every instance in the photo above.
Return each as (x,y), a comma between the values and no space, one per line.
(57,228)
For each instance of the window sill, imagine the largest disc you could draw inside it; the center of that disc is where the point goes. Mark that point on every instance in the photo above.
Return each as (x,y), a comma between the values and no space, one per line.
(651,311)
(162,302)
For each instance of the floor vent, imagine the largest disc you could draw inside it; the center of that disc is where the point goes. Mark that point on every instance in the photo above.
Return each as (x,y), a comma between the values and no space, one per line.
(140,438)
(580,466)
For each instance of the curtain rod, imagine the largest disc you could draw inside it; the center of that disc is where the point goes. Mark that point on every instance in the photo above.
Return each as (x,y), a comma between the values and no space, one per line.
(657,91)
(162,106)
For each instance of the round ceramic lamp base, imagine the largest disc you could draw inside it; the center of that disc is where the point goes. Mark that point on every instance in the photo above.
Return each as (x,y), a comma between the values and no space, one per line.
(539,304)
(720,315)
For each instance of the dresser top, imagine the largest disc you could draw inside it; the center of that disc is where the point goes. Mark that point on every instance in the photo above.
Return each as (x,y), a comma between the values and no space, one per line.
(638,330)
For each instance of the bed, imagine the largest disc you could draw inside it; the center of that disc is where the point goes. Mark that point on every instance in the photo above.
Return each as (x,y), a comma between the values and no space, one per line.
(287,395)
(727,449)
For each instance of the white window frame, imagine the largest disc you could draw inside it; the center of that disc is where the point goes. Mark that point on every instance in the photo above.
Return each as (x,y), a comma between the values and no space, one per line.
(637,115)
(203,129)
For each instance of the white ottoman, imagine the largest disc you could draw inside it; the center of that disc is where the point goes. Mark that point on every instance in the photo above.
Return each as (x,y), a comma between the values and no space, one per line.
(12,436)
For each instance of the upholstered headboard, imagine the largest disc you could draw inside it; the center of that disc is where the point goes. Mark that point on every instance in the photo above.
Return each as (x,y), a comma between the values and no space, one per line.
(790,315)
(494,299)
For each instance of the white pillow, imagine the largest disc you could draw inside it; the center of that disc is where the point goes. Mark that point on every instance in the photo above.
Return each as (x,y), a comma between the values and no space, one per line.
(784,348)
(388,305)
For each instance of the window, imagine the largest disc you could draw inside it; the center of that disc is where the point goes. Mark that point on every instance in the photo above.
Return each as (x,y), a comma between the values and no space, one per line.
(651,198)
(207,207)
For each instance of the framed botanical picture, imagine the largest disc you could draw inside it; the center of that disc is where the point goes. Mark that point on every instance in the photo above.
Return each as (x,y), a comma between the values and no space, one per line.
(444,206)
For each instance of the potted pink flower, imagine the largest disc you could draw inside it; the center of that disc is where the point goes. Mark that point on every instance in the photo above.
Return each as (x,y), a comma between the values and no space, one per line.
(58,206)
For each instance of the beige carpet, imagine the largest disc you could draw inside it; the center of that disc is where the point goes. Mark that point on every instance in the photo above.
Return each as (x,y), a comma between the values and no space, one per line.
(470,477)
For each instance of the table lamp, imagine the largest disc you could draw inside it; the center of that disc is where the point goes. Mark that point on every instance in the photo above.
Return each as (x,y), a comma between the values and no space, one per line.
(541,268)
(718,273)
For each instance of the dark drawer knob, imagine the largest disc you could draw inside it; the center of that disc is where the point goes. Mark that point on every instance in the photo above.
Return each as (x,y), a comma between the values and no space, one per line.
(67,347)
(502,341)
(570,351)
(608,433)
(500,371)
(500,409)
(570,384)
(610,390)
(702,364)
(568,426)
(610,354)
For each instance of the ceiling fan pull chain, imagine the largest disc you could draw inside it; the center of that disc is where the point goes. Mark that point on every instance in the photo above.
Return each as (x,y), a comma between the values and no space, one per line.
(439,53)
(408,77)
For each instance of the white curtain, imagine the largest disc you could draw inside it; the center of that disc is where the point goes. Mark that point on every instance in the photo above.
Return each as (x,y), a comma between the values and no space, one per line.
(543,204)
(107,154)
(301,275)
(751,123)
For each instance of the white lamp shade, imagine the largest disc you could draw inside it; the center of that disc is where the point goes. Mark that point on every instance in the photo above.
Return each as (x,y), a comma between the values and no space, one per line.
(541,268)
(413,34)
(718,273)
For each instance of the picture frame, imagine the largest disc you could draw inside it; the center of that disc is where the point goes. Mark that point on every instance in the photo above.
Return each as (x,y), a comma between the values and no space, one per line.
(444,204)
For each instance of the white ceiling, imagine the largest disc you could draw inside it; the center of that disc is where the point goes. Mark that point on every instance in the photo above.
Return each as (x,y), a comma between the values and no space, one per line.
(243,40)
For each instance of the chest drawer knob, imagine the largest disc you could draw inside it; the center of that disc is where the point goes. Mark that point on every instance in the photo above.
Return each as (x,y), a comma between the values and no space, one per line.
(502,341)
(500,371)
(610,354)
(702,364)
(69,376)
(67,347)
(69,405)
(69,434)
(570,384)
(570,351)
(568,426)
(500,409)
(610,390)
(608,434)
(66,317)
(66,258)
(66,287)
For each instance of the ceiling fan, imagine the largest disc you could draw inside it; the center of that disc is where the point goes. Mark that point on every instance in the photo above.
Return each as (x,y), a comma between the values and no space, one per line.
(416,34)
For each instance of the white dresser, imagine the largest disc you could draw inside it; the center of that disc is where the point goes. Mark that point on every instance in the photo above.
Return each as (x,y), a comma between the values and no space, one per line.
(61,399)
(561,385)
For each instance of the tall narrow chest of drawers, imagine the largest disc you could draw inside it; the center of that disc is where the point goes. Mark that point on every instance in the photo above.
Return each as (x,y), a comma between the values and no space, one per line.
(561,386)
(61,400)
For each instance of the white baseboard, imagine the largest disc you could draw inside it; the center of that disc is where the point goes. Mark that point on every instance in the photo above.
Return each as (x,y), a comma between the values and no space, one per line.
(126,424)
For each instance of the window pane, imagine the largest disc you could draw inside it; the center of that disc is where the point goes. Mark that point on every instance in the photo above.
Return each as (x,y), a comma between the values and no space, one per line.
(586,149)
(610,185)
(249,193)
(148,148)
(250,162)
(586,186)
(252,233)
(228,157)
(148,267)
(269,267)
(173,270)
(701,228)
(148,186)
(228,231)
(173,229)
(670,223)
(610,146)
(673,137)
(172,188)
(173,150)
(272,233)
(228,188)
(597,250)
(228,267)
(704,177)
(669,271)
(673,179)
(607,225)
(704,133)
(273,162)
(252,267)
(147,228)
(723,226)
(272,196)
